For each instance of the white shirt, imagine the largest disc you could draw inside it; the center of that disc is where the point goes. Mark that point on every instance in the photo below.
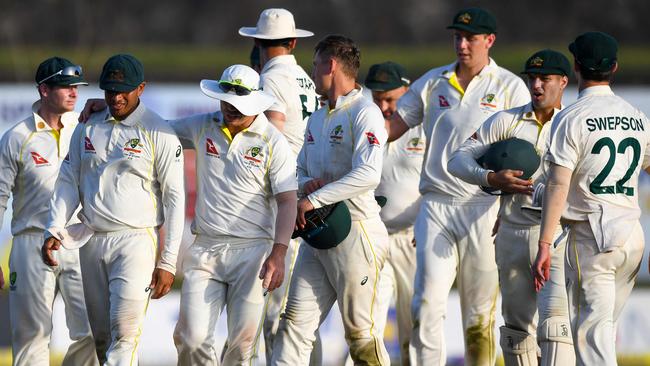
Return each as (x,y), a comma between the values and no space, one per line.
(400,177)
(127,175)
(31,153)
(295,95)
(519,122)
(344,147)
(237,178)
(451,115)
(604,141)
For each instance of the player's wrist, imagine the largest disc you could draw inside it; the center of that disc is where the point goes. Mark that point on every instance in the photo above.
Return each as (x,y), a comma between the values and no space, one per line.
(544,243)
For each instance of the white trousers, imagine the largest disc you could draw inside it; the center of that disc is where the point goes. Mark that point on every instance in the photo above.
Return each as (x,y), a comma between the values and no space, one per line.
(33,287)
(221,272)
(598,285)
(453,242)
(116,269)
(349,274)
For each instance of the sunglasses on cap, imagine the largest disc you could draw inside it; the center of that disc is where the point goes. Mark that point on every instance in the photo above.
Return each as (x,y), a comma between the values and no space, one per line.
(228,86)
(66,71)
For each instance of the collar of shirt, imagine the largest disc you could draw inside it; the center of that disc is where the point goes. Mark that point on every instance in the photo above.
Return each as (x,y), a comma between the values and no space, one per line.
(67,118)
(343,100)
(528,114)
(595,90)
(131,119)
(258,126)
(450,70)
(282,59)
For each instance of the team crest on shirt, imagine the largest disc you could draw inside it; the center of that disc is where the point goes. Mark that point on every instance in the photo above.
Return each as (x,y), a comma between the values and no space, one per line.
(310,138)
(12,281)
(88,145)
(336,135)
(211,148)
(415,145)
(253,156)
(372,139)
(442,101)
(38,159)
(132,149)
(488,101)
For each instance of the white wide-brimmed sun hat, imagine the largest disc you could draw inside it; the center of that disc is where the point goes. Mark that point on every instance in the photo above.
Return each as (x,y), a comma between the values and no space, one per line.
(275,24)
(239,86)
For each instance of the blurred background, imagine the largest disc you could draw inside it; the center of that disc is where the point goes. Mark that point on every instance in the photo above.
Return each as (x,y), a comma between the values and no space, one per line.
(182,42)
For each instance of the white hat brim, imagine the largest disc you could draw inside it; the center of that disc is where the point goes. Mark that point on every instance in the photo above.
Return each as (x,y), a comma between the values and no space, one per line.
(249,105)
(252,32)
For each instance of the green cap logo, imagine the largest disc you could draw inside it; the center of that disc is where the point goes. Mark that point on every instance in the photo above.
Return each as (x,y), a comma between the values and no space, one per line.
(536,62)
(464,18)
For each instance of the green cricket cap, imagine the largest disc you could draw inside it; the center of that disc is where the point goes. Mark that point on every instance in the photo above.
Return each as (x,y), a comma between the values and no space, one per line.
(514,154)
(59,71)
(121,73)
(328,231)
(386,76)
(474,20)
(595,50)
(547,62)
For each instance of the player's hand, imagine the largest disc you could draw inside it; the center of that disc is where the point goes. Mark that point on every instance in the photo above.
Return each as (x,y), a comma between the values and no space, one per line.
(313,185)
(507,180)
(161,283)
(542,266)
(49,245)
(495,228)
(304,206)
(272,272)
(92,106)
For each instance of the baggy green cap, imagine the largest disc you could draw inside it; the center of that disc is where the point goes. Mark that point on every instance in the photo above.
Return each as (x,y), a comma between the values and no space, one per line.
(121,73)
(59,71)
(474,20)
(514,154)
(326,227)
(595,50)
(547,62)
(386,76)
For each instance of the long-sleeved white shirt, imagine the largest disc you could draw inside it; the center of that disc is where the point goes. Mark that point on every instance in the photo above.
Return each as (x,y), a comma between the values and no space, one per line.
(344,147)
(127,175)
(237,177)
(30,156)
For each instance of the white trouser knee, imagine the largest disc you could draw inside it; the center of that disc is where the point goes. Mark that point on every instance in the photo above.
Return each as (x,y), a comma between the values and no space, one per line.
(556,342)
(519,348)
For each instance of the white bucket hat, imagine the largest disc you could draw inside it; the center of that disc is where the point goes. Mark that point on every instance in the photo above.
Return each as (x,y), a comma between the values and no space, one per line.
(239,86)
(275,24)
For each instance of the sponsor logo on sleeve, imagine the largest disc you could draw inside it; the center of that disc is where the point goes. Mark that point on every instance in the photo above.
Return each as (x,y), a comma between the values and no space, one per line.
(88,145)
(211,148)
(372,139)
(38,159)
(310,138)
(442,101)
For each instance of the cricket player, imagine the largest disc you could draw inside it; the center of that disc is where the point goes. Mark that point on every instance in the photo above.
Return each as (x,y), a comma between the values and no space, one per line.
(546,73)
(599,144)
(245,214)
(341,160)
(125,167)
(399,181)
(275,37)
(31,153)
(452,229)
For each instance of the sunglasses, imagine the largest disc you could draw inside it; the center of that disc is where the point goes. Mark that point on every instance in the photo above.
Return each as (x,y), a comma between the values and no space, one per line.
(228,86)
(66,71)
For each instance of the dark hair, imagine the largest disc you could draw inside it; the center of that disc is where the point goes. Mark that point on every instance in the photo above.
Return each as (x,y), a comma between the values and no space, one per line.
(344,50)
(594,75)
(266,43)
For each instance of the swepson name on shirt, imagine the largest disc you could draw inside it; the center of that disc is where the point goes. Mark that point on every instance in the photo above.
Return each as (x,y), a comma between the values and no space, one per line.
(614,123)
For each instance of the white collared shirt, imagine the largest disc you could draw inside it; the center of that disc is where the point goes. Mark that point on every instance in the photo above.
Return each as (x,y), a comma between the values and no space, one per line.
(31,153)
(451,115)
(344,147)
(519,122)
(295,95)
(237,177)
(127,175)
(605,142)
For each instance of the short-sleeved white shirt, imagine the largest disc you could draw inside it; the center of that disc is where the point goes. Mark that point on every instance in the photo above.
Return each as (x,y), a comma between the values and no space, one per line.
(237,177)
(295,95)
(451,115)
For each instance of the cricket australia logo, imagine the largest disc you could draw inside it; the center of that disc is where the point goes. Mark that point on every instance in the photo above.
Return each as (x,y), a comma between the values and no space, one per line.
(211,148)
(133,148)
(489,101)
(253,156)
(38,159)
(12,281)
(415,145)
(336,135)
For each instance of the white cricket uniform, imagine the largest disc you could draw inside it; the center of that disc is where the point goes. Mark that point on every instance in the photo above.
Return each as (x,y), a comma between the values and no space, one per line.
(399,180)
(516,247)
(295,97)
(237,179)
(454,223)
(344,147)
(30,156)
(605,142)
(128,177)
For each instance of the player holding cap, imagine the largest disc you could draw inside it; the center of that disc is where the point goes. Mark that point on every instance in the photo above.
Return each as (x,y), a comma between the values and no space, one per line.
(125,167)
(245,209)
(31,153)
(275,38)
(546,74)
(452,230)
(399,181)
(599,145)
